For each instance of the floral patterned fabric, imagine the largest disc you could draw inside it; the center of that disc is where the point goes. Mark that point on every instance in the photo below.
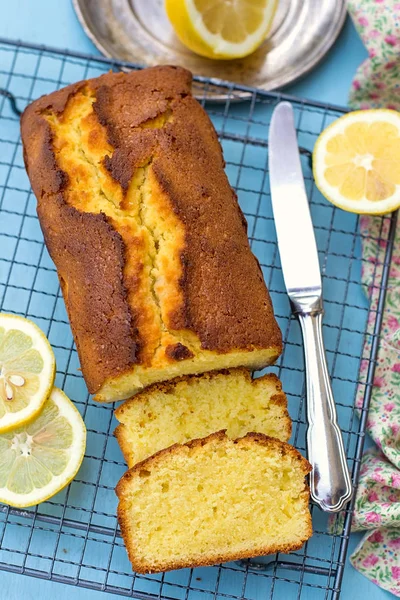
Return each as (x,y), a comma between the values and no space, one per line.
(378,510)
(377,506)
(384,415)
(377,81)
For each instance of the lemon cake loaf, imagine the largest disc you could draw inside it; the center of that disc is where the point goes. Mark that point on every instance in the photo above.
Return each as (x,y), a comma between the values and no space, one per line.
(146,233)
(194,406)
(214,500)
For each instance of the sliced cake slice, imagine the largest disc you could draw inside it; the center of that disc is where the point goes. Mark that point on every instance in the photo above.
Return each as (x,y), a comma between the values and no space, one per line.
(214,500)
(196,406)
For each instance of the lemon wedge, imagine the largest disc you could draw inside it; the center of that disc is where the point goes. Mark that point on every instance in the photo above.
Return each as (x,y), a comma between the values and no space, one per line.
(356,162)
(222,29)
(42,457)
(27,370)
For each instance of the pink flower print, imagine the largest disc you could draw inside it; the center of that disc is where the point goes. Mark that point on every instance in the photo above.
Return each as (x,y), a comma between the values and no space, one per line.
(395,543)
(378,478)
(395,428)
(393,107)
(370,424)
(379,1)
(390,65)
(376,537)
(380,85)
(396,367)
(373,497)
(393,498)
(396,572)
(372,53)
(373,517)
(396,260)
(386,505)
(397,6)
(363,21)
(391,40)
(374,33)
(389,406)
(396,480)
(379,382)
(393,323)
(356,84)
(370,560)
(374,95)
(394,272)
(364,106)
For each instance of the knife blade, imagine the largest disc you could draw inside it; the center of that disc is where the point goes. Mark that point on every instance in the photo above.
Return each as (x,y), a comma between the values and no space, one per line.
(330,483)
(294,229)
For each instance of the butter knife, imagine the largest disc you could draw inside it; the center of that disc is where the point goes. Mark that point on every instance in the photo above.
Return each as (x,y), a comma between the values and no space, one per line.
(330,482)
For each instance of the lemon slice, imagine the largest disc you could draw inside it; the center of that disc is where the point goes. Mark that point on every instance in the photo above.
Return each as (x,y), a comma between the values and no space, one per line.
(356,162)
(221,28)
(42,457)
(27,370)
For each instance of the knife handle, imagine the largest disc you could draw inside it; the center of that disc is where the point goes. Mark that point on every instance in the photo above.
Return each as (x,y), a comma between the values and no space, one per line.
(330,482)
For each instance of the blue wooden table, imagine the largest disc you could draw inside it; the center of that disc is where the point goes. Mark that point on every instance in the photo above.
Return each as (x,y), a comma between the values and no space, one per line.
(54,23)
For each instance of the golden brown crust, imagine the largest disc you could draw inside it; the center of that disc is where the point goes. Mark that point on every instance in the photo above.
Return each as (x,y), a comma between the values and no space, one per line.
(93,265)
(146,121)
(89,266)
(178,352)
(211,559)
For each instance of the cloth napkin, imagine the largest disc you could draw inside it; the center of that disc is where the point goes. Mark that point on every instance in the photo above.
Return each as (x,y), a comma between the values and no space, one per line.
(377,506)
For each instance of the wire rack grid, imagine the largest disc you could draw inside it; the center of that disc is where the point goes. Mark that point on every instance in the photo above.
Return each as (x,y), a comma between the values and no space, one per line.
(74,537)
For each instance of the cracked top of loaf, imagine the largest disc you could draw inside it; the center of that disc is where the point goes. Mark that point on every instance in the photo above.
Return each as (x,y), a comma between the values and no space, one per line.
(147,235)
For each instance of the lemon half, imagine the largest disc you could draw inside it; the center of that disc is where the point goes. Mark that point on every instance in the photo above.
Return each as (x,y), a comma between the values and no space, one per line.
(27,370)
(42,457)
(356,162)
(221,29)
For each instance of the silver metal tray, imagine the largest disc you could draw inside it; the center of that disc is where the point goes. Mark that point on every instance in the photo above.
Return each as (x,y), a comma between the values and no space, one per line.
(138,31)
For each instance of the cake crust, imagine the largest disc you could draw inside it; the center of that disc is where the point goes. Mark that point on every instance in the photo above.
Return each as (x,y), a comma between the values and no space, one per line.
(141,566)
(112,161)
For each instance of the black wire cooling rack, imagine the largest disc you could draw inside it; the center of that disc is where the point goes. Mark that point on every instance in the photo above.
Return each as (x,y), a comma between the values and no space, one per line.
(74,538)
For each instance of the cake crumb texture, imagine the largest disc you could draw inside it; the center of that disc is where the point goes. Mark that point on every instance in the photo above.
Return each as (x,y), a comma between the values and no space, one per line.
(214,500)
(194,406)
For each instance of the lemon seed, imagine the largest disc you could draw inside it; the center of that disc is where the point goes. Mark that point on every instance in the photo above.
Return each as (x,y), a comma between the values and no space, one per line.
(9,391)
(17,380)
